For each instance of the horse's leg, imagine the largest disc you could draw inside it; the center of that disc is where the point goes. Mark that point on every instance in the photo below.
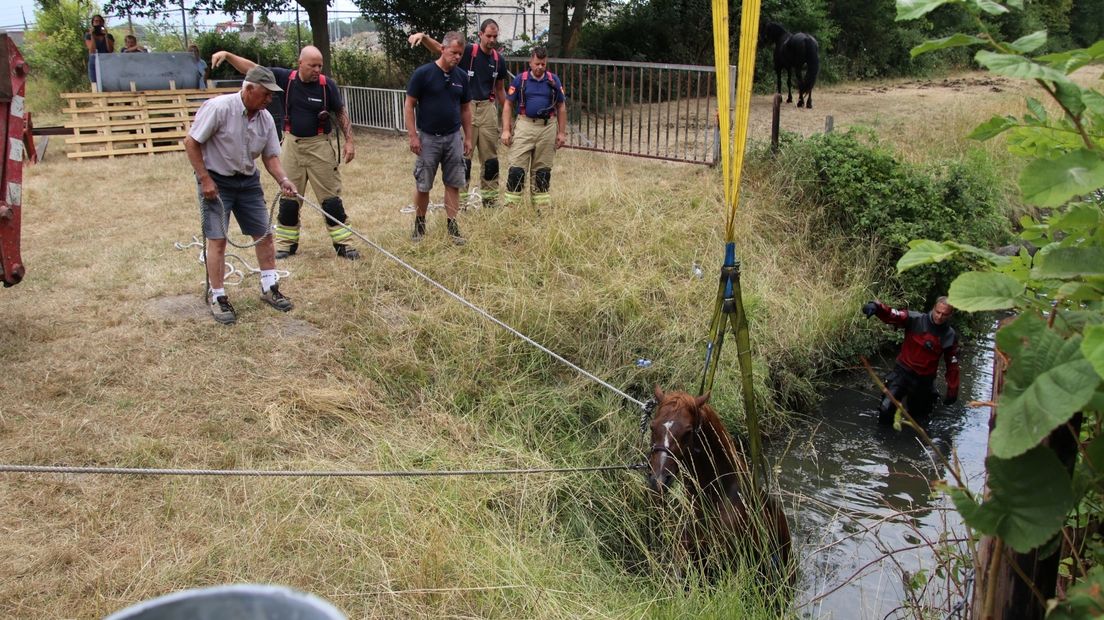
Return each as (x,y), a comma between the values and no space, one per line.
(800,86)
(789,86)
(778,79)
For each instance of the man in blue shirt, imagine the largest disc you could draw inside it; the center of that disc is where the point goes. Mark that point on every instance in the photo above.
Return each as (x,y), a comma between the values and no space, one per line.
(486,70)
(539,96)
(439,90)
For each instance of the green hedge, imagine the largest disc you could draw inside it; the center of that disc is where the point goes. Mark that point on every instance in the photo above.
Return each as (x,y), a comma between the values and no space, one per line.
(865,192)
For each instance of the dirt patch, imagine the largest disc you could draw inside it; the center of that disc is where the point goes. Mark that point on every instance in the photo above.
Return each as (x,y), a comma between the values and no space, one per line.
(178,308)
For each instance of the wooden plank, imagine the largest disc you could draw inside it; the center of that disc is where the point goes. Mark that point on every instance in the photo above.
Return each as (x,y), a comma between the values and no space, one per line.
(132,123)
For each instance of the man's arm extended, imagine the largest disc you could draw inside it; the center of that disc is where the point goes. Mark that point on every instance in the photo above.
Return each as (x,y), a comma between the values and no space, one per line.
(425,41)
(243,65)
(276,169)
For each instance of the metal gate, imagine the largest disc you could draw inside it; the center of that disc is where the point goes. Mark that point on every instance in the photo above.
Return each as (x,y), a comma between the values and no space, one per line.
(660,111)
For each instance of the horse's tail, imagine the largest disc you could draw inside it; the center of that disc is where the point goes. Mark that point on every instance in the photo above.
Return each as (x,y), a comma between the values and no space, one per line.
(812,63)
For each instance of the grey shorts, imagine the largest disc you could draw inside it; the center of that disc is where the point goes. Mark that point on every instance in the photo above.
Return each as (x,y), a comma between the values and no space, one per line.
(241,195)
(446,151)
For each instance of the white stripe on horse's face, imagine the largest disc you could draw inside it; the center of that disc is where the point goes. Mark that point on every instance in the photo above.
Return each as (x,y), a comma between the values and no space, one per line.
(667,437)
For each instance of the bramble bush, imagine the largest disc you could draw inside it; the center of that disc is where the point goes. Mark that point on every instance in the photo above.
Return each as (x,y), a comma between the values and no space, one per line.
(866,192)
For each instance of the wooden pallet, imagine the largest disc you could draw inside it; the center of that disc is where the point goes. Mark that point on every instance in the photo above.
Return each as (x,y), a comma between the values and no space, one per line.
(132,123)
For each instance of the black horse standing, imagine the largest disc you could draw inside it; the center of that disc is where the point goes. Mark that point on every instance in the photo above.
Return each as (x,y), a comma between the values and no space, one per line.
(792,52)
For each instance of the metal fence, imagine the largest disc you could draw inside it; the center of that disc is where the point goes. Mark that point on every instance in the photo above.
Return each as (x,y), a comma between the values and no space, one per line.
(652,110)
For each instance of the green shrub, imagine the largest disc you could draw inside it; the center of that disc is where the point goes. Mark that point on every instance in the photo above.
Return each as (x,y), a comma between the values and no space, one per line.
(55,47)
(867,193)
(257,49)
(355,67)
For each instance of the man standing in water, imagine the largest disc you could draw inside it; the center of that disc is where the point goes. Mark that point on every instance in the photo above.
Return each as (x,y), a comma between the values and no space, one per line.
(928,336)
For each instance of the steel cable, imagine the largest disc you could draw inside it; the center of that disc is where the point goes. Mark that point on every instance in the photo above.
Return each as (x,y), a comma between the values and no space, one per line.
(484,313)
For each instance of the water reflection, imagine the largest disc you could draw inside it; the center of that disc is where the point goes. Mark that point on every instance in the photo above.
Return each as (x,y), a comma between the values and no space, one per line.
(857,490)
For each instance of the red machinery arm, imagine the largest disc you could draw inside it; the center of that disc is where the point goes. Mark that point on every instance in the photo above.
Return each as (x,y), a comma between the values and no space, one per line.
(13,78)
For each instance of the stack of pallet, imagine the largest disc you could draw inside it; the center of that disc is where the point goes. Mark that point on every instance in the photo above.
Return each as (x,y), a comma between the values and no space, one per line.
(132,123)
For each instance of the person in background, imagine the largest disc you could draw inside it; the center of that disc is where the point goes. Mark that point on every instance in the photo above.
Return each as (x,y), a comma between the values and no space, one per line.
(928,337)
(442,135)
(229,133)
(313,112)
(486,71)
(98,41)
(200,66)
(541,128)
(130,45)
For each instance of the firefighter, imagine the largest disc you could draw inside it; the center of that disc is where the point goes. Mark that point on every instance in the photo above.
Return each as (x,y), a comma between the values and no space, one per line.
(486,71)
(312,106)
(928,337)
(539,97)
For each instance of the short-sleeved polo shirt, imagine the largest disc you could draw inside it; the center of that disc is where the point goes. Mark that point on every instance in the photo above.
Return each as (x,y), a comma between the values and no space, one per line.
(229,138)
(439,96)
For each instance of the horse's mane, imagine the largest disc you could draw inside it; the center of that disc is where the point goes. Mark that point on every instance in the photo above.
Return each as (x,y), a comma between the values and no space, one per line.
(733,445)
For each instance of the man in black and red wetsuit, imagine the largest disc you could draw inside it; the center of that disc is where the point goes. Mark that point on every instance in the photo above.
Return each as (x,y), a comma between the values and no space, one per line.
(928,336)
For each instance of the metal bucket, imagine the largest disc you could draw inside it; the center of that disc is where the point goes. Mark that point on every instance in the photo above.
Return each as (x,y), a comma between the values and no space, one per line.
(232,602)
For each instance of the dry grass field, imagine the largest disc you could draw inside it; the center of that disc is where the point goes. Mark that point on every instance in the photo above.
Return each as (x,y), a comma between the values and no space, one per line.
(110,359)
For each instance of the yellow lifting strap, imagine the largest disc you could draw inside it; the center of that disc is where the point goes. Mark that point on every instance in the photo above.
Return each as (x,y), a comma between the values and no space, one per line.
(728,312)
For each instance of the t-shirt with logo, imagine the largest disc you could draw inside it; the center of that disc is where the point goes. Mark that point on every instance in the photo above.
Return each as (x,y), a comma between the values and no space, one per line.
(305,100)
(439,96)
(483,71)
(541,95)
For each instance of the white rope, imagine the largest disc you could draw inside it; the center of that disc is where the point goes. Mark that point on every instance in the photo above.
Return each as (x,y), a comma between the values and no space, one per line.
(484,313)
(414,473)
(231,271)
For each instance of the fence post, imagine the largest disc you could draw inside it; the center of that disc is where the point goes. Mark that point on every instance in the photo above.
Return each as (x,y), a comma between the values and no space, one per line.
(829,123)
(776,112)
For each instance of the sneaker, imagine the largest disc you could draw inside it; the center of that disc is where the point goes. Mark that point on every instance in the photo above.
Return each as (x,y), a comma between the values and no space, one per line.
(454,233)
(345,251)
(222,310)
(419,228)
(276,299)
(282,254)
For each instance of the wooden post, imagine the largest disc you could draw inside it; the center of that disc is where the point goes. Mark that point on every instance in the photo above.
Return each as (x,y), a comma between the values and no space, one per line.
(829,123)
(776,113)
(1012,599)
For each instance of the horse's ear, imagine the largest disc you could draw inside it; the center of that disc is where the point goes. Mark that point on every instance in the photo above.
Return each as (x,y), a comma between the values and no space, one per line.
(658,393)
(701,400)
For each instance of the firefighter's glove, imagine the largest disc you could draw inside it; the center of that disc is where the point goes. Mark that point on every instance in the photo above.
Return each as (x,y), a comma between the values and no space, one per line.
(870,308)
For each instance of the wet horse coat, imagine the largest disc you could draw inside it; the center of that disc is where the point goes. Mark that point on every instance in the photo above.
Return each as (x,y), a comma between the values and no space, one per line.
(690,442)
(793,52)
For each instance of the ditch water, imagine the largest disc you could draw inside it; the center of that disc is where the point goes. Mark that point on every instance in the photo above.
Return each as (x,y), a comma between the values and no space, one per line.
(856,491)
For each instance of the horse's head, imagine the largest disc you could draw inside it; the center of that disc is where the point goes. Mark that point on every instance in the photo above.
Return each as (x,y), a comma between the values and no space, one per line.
(773,32)
(676,426)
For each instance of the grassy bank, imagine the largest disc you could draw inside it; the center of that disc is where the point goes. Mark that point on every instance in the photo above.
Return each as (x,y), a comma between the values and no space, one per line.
(111,360)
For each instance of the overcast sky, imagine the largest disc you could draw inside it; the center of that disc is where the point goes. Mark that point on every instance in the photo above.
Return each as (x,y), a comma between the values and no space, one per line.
(12,13)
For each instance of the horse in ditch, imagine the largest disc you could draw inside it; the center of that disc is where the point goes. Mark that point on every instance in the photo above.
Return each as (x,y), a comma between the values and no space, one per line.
(793,52)
(729,516)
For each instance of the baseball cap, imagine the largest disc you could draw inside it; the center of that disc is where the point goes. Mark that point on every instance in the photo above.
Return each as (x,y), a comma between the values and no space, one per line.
(263,76)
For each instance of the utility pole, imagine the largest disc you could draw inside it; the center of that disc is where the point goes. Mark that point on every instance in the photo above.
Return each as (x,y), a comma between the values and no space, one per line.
(298,32)
(184,22)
